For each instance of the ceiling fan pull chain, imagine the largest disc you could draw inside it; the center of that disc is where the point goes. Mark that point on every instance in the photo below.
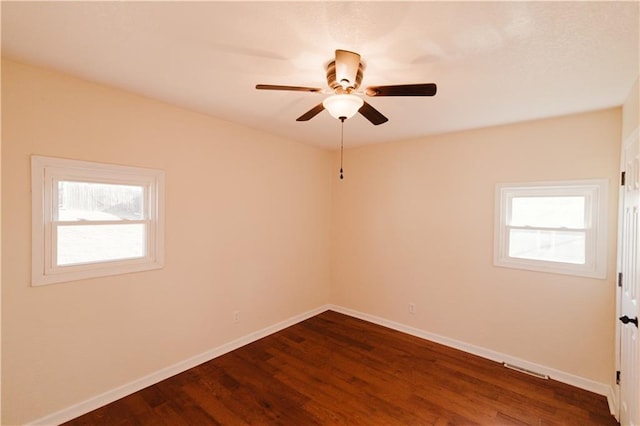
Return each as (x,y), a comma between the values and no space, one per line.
(341,144)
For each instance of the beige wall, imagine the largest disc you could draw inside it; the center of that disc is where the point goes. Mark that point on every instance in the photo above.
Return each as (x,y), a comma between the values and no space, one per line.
(256,223)
(247,228)
(631,110)
(413,223)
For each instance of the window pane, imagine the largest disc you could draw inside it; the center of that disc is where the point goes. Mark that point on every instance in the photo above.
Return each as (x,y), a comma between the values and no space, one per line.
(552,246)
(99,201)
(95,243)
(548,212)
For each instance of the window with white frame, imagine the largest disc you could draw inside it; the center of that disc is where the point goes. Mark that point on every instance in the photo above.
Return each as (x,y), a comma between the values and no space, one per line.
(93,219)
(552,227)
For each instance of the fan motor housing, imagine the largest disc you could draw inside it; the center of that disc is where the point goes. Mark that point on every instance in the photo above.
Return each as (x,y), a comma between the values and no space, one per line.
(335,84)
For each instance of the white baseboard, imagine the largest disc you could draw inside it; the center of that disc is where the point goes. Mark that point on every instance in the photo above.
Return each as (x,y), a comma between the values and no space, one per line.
(158,376)
(153,378)
(561,376)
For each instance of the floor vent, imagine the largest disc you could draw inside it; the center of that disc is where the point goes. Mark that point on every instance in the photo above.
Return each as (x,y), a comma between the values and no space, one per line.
(526,371)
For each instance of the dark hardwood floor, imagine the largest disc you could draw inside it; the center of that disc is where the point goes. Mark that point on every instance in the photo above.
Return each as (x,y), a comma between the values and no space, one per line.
(337,370)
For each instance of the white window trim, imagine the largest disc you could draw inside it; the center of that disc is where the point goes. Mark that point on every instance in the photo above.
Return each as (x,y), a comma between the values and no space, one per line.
(45,173)
(596,190)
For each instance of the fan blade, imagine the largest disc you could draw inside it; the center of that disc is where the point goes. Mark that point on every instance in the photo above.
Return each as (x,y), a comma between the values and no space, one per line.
(291,88)
(311,113)
(427,89)
(372,114)
(347,64)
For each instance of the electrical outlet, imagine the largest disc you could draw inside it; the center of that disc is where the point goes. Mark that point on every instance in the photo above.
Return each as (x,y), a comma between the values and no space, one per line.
(236,316)
(412,308)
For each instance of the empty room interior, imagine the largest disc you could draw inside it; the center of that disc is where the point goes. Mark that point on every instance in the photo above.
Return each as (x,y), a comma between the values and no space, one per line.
(179,182)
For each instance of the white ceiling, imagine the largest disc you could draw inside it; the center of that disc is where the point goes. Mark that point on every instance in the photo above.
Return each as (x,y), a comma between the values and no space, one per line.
(494,62)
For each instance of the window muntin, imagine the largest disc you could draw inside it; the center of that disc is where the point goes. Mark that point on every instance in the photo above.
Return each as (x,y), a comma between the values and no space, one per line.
(93,219)
(552,226)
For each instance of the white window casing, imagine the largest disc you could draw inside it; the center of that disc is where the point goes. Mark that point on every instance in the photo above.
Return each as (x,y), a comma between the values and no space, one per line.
(91,241)
(558,227)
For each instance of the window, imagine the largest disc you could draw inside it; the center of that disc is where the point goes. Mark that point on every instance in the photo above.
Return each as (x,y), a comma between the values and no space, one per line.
(552,227)
(92,219)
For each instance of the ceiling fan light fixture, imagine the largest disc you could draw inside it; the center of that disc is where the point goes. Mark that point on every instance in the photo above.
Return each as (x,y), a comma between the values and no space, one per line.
(344,76)
(343,105)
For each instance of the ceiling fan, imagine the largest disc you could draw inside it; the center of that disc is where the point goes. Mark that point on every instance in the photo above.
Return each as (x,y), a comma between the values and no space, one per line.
(344,75)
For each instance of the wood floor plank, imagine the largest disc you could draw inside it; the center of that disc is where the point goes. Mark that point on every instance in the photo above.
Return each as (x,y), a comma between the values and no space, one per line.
(333,369)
